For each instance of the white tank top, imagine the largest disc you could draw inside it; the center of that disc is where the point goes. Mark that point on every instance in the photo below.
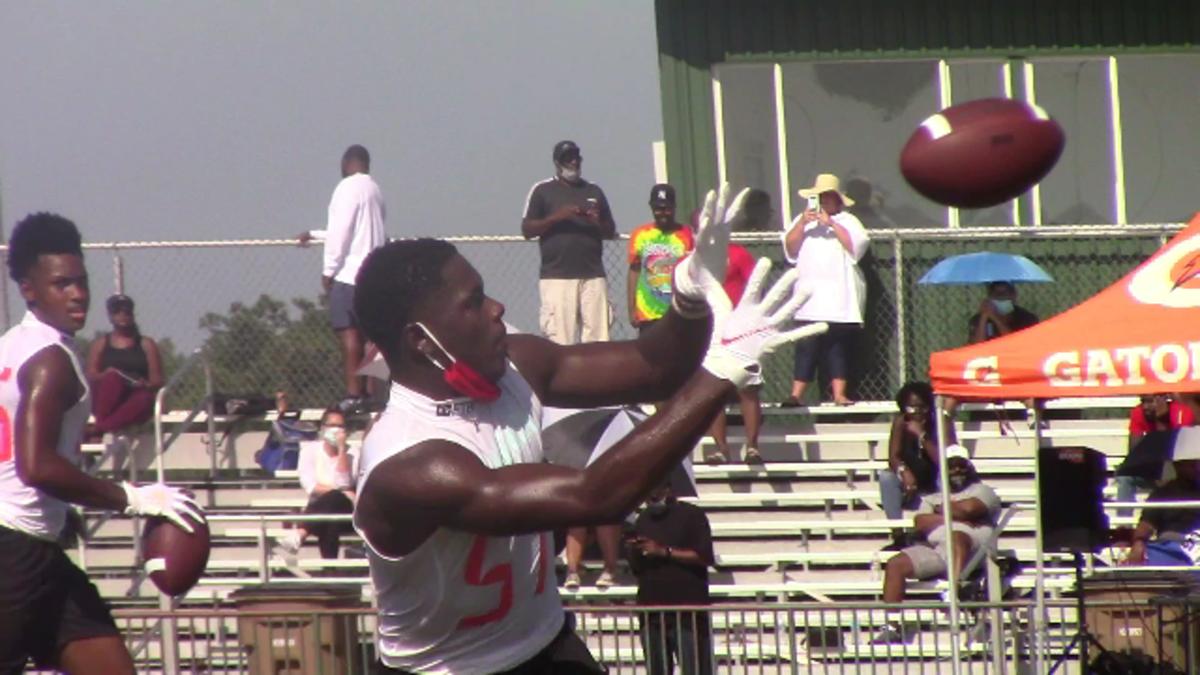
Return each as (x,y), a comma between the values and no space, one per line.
(22,507)
(461,602)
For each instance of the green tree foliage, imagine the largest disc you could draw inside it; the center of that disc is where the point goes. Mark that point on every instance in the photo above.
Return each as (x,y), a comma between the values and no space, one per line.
(266,347)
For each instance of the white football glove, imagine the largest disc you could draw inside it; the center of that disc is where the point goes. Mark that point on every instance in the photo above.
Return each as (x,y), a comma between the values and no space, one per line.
(699,276)
(160,499)
(756,327)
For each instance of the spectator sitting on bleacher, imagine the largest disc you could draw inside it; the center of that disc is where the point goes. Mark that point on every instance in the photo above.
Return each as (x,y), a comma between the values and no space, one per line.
(912,455)
(1169,536)
(974,510)
(1156,412)
(999,315)
(124,370)
(327,470)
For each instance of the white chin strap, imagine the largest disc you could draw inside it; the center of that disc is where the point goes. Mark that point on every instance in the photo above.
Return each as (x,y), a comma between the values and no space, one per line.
(429,334)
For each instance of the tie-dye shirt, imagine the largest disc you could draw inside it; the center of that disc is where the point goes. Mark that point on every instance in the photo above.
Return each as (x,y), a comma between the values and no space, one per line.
(657,252)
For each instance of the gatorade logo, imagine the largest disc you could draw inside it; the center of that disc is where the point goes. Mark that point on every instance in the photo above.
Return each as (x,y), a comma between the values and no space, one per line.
(983,371)
(1172,279)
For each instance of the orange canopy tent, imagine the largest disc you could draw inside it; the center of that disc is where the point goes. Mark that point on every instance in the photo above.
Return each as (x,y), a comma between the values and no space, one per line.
(1141,335)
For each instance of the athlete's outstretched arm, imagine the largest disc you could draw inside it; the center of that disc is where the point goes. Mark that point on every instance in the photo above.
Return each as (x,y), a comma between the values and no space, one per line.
(49,387)
(440,484)
(650,368)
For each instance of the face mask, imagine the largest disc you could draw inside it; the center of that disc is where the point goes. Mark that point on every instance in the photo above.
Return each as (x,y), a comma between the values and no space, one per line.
(960,480)
(331,434)
(463,378)
(656,508)
(1004,307)
(569,174)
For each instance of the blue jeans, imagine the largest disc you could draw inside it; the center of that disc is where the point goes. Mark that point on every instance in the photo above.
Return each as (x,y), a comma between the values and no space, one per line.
(891,494)
(1127,492)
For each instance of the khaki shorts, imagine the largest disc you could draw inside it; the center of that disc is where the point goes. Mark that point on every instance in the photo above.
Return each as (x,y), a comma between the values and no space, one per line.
(929,560)
(574,310)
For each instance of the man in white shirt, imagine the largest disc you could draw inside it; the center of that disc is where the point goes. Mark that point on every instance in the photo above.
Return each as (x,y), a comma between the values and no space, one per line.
(354,229)
(825,243)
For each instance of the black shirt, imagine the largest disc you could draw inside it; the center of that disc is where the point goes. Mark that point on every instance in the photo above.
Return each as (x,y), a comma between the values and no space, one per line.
(1178,521)
(571,249)
(131,361)
(662,581)
(1021,319)
(924,469)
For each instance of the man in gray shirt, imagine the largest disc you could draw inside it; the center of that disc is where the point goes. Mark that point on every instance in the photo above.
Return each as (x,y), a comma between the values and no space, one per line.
(570,218)
(974,510)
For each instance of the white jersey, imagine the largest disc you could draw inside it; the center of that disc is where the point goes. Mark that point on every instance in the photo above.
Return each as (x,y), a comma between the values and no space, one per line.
(24,508)
(462,602)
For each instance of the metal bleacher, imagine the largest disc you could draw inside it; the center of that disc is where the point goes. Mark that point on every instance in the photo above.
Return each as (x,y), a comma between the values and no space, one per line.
(804,526)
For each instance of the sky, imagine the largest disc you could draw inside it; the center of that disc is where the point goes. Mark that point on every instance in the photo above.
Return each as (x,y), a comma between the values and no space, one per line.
(226,120)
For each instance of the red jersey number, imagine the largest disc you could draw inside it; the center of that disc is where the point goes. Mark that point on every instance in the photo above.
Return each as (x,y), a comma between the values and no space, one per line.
(475,575)
(6,440)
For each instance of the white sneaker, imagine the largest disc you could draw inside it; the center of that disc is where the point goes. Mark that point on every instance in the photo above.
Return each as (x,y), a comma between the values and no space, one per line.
(891,634)
(290,542)
(605,581)
(571,583)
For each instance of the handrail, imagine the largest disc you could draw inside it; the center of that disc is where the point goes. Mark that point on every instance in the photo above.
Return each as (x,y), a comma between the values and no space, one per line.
(161,444)
(167,632)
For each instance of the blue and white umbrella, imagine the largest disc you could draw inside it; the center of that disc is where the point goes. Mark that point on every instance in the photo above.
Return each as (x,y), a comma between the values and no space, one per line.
(985,267)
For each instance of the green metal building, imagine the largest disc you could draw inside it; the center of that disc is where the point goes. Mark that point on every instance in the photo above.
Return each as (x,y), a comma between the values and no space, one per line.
(771,92)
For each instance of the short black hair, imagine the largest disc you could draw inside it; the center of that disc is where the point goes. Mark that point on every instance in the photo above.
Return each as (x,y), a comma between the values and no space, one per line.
(922,390)
(334,409)
(393,280)
(357,153)
(40,234)
(756,199)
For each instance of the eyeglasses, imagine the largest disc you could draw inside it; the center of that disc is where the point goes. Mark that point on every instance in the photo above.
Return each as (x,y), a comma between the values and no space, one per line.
(915,409)
(121,309)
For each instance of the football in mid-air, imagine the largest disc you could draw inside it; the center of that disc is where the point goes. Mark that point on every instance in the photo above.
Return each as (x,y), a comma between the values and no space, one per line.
(175,560)
(981,153)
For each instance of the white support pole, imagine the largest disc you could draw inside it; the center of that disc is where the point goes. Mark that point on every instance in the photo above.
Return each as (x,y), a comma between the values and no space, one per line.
(118,272)
(658,154)
(169,636)
(1006,75)
(785,184)
(1035,193)
(945,100)
(1039,588)
(1118,148)
(943,431)
(719,127)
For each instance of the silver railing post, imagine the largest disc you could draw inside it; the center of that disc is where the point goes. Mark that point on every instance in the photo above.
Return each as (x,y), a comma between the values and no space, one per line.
(264,574)
(169,635)
(118,271)
(901,318)
(210,416)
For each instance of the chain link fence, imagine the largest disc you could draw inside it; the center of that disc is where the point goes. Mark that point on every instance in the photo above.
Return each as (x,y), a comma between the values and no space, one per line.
(257,309)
